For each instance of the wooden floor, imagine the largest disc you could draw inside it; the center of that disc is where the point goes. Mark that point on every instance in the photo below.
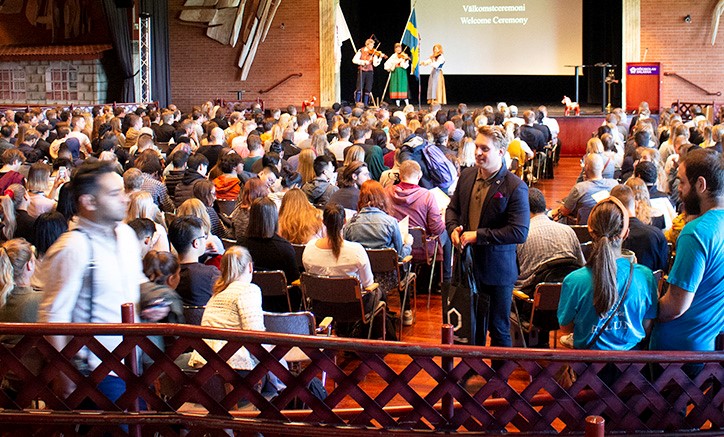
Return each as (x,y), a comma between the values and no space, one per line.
(426,328)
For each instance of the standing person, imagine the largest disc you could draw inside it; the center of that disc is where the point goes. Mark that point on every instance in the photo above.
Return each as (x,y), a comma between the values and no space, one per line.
(397,66)
(691,313)
(436,83)
(99,262)
(489,210)
(367,58)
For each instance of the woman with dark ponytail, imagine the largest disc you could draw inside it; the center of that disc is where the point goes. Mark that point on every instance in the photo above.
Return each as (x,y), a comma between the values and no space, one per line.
(608,304)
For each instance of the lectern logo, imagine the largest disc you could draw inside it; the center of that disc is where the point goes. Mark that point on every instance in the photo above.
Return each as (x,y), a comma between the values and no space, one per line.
(643,69)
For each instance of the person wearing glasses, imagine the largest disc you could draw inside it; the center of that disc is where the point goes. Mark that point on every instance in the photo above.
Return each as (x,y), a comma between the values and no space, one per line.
(188,236)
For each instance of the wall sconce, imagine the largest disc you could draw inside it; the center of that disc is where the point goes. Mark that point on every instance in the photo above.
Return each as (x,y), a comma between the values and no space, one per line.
(687,19)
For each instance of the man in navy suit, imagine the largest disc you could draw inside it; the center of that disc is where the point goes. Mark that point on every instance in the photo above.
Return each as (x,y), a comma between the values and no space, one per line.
(489,210)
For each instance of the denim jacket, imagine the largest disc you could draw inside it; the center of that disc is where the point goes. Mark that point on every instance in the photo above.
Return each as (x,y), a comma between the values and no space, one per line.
(374,229)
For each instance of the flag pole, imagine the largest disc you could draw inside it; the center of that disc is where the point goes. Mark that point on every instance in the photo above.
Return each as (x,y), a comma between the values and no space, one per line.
(389,74)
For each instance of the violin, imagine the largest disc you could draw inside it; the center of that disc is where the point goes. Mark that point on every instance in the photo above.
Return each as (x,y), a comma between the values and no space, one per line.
(378,53)
(403,56)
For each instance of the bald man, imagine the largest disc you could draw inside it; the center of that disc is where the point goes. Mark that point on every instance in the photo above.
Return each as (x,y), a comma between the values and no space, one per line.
(212,150)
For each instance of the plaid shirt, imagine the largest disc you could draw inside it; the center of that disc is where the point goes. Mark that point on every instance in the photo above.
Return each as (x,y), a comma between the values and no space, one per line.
(158,191)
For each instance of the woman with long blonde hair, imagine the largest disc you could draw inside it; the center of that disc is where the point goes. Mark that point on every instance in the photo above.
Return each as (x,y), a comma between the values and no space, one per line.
(306,165)
(194,207)
(644,211)
(299,220)
(141,205)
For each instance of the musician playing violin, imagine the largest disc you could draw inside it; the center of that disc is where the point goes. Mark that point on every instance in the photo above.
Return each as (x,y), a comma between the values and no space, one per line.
(436,84)
(367,58)
(397,66)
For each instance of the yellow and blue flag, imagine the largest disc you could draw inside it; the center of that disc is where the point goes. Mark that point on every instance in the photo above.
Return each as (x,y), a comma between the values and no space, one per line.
(412,40)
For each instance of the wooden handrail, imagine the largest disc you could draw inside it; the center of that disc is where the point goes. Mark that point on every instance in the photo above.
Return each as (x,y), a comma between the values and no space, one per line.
(280,82)
(708,93)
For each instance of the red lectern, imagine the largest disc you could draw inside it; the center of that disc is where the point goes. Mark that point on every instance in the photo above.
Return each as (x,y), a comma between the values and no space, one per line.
(643,83)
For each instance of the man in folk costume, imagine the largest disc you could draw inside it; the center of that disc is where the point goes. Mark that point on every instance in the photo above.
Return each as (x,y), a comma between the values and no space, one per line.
(366,58)
(397,66)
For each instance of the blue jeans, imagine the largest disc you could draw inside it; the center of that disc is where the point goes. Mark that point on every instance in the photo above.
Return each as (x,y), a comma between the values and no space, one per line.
(498,319)
(446,256)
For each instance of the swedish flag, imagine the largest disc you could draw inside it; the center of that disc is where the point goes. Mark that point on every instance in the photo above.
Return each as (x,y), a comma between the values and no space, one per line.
(412,40)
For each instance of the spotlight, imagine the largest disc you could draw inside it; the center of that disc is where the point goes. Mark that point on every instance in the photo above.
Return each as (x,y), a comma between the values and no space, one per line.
(687,19)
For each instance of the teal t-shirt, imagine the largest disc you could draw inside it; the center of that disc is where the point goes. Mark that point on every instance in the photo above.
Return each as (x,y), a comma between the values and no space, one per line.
(698,269)
(626,328)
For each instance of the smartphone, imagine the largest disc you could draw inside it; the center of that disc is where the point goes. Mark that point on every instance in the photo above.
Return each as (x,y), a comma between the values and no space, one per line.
(62,172)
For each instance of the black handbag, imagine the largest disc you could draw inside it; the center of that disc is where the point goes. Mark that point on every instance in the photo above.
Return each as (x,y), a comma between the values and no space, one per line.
(462,305)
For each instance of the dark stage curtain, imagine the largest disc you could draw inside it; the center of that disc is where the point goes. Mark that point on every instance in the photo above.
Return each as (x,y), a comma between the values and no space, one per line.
(119,26)
(160,68)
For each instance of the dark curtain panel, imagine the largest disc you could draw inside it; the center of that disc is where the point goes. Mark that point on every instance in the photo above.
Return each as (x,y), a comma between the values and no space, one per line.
(119,27)
(160,68)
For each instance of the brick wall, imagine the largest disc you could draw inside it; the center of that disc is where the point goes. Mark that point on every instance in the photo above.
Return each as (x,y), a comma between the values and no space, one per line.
(684,48)
(203,69)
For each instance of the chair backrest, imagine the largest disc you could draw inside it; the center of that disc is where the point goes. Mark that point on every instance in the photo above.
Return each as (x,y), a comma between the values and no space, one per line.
(298,252)
(273,285)
(587,249)
(546,297)
(383,261)
(193,314)
(582,233)
(226,207)
(421,240)
(337,296)
(301,323)
(228,242)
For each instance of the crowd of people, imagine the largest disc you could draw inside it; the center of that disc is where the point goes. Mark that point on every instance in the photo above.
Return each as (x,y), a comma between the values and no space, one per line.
(137,207)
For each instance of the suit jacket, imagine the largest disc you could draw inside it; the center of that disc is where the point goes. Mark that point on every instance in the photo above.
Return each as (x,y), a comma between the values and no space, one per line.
(504,223)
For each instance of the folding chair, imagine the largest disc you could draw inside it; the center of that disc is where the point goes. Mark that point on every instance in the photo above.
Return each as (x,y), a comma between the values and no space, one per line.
(299,323)
(385,263)
(582,233)
(298,252)
(545,298)
(193,314)
(340,297)
(274,290)
(226,207)
(420,239)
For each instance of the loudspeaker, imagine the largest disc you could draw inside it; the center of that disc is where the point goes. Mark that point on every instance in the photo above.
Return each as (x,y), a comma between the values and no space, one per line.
(124,4)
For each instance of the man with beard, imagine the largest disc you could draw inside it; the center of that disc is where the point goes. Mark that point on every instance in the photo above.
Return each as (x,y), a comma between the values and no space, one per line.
(691,314)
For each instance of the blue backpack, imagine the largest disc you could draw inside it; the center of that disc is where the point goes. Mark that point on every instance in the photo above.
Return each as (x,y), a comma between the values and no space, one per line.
(442,172)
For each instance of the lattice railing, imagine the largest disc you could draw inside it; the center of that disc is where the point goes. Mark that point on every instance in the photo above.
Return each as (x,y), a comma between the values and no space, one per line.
(424,394)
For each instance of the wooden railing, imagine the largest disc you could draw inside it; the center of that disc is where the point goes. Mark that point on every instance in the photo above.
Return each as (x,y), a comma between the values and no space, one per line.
(132,106)
(704,90)
(426,395)
(280,82)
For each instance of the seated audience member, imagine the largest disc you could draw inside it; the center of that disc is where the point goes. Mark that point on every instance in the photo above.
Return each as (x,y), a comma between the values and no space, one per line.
(579,201)
(334,256)
(268,250)
(648,172)
(236,304)
(205,191)
(188,237)
(691,312)
(530,133)
(253,189)
(164,273)
(141,205)
(547,241)
(372,226)
(256,152)
(178,170)
(647,242)
(132,180)
(12,160)
(604,306)
(18,301)
(337,147)
(145,230)
(16,222)
(322,187)
(48,227)
(196,169)
(409,199)
(213,150)
(150,165)
(353,176)
(595,146)
(28,146)
(641,138)
(228,184)
(644,210)
(299,220)
(196,208)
